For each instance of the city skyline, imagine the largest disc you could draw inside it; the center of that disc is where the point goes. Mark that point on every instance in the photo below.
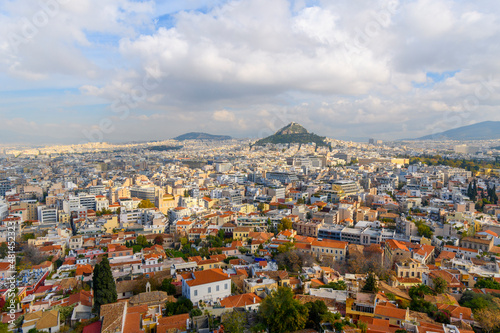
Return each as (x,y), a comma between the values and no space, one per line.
(388,69)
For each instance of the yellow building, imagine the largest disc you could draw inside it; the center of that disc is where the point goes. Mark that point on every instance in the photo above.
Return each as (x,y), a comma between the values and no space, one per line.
(64,217)
(362,305)
(260,286)
(241,233)
(410,268)
(111,223)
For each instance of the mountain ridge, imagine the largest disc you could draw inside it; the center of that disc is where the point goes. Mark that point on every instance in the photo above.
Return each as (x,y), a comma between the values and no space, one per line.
(201,136)
(486,130)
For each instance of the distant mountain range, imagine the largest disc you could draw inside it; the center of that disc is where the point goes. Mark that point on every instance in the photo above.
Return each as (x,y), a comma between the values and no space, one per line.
(292,133)
(487,130)
(201,136)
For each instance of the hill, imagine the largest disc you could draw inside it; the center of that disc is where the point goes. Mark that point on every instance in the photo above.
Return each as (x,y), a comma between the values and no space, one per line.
(292,133)
(487,130)
(201,136)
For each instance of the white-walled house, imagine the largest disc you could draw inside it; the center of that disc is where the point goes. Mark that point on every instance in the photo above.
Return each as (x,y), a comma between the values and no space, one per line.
(209,285)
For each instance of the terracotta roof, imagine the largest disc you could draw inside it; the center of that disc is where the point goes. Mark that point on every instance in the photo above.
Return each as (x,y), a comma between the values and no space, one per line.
(330,243)
(49,319)
(167,323)
(390,312)
(112,317)
(204,277)
(132,323)
(456,311)
(93,328)
(240,300)
(396,245)
(83,297)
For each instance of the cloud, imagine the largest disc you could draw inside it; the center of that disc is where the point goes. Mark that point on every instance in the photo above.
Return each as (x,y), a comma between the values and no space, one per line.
(224,116)
(343,68)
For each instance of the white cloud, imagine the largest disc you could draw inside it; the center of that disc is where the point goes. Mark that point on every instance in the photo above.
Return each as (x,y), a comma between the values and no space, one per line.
(224,116)
(340,68)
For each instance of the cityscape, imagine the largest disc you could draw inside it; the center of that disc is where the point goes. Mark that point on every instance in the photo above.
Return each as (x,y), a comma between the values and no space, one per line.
(249,166)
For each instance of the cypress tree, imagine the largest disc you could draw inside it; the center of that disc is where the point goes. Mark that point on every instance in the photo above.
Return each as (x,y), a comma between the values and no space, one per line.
(103,284)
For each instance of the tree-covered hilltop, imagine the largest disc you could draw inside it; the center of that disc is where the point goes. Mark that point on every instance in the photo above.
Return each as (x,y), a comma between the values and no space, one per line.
(293,133)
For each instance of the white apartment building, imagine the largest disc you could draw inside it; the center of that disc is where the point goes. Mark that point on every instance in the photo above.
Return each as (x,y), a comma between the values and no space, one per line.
(211,285)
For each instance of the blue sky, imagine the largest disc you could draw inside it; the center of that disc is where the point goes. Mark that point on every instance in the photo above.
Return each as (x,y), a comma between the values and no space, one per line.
(156,69)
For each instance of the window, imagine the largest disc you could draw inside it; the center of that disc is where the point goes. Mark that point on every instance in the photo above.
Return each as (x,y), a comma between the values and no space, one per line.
(225,286)
(196,292)
(216,288)
(209,289)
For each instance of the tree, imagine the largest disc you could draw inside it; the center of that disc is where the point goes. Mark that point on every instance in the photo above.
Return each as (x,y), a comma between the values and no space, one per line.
(440,285)
(4,250)
(33,255)
(4,328)
(142,241)
(442,316)
(370,284)
(363,327)
(424,230)
(487,283)
(337,285)
(196,312)
(282,313)
(285,224)
(419,291)
(159,240)
(234,322)
(488,318)
(317,311)
(243,249)
(293,260)
(146,204)
(168,287)
(103,284)
(476,301)
(183,305)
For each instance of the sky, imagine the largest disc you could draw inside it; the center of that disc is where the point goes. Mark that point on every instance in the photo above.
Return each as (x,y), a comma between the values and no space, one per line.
(127,70)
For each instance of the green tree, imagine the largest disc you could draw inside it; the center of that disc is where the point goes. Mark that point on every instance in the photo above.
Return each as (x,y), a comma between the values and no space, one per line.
(4,250)
(196,312)
(28,236)
(440,285)
(363,327)
(234,322)
(285,224)
(142,241)
(487,283)
(183,305)
(4,328)
(317,313)
(476,301)
(370,284)
(419,291)
(146,204)
(103,284)
(168,287)
(337,285)
(282,313)
(424,230)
